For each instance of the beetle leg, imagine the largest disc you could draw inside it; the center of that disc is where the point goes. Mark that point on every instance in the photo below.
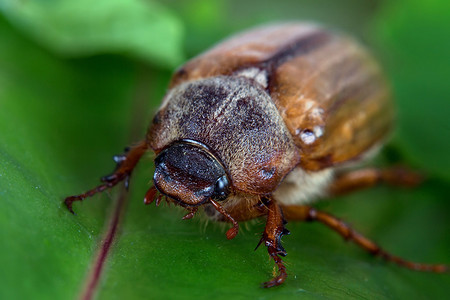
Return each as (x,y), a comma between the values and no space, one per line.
(272,239)
(307,213)
(125,165)
(364,178)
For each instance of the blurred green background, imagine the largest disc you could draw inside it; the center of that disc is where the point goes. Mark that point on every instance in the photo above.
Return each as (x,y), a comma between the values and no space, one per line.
(79,80)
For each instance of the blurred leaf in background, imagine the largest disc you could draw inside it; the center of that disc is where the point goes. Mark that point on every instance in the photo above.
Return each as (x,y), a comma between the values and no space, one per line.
(416,37)
(144,29)
(80,80)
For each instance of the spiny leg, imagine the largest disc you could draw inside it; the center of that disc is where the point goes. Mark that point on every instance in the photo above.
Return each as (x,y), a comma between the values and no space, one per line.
(307,213)
(125,165)
(359,179)
(271,237)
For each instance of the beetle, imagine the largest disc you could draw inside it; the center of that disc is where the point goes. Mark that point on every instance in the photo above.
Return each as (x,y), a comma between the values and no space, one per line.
(264,124)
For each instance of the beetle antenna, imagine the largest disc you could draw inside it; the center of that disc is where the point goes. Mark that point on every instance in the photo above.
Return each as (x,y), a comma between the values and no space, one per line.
(233,231)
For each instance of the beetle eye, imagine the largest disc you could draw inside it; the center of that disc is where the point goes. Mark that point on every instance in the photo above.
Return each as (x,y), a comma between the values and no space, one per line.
(221,189)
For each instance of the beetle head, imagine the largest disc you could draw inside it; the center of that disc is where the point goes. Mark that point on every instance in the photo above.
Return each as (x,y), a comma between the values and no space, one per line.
(190,174)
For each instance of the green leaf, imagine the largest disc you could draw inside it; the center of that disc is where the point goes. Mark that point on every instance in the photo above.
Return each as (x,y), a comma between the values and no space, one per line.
(80,28)
(60,123)
(415,35)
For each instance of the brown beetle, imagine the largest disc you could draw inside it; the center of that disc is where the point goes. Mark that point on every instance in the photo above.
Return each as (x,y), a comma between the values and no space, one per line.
(265,123)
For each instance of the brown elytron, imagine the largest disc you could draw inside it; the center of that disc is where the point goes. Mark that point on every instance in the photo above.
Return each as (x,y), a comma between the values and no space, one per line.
(261,125)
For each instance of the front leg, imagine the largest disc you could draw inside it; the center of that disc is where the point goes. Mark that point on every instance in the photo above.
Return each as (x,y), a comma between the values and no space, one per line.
(125,165)
(272,239)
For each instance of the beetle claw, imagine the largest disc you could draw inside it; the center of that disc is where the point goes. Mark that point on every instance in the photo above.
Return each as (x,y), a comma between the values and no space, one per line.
(68,202)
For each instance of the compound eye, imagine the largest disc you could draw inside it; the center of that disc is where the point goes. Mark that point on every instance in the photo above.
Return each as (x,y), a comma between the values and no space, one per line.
(221,189)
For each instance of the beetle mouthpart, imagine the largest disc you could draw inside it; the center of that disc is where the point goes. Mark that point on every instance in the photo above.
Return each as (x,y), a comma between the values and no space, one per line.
(191,213)
(150,195)
(159,199)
